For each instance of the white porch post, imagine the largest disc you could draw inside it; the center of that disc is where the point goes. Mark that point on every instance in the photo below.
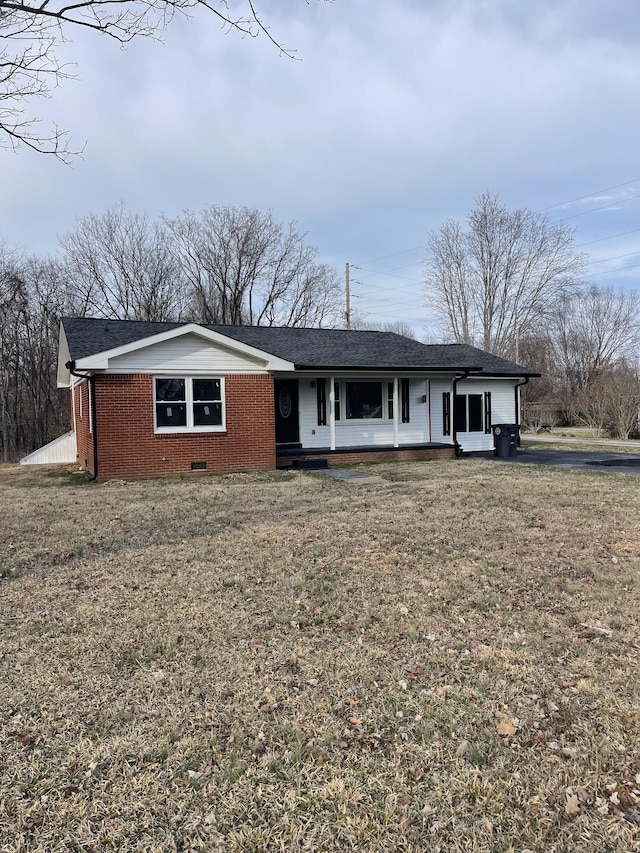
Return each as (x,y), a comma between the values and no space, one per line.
(332,415)
(395,411)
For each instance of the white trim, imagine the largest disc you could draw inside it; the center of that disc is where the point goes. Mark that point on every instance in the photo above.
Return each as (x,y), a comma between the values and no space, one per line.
(190,427)
(395,411)
(100,360)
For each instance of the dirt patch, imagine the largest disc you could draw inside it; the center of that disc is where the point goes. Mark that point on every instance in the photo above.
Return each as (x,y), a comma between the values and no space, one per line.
(445,660)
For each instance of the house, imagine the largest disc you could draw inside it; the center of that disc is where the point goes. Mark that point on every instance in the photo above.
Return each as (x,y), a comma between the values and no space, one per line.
(173,398)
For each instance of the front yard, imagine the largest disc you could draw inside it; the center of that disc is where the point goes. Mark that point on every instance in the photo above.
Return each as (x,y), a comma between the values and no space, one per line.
(446,659)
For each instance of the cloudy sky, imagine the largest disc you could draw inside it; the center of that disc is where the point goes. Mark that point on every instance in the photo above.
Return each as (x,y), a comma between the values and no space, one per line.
(394,117)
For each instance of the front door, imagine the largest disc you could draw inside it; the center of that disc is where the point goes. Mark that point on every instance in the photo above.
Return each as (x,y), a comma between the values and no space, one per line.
(286,400)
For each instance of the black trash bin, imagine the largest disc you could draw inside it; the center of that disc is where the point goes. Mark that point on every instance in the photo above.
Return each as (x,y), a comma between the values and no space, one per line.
(505,439)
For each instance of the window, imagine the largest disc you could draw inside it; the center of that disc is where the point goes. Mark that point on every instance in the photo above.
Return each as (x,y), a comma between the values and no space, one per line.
(475,412)
(460,413)
(468,413)
(186,404)
(363,400)
(336,400)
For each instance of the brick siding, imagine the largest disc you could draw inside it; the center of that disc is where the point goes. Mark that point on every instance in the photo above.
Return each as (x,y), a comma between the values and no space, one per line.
(387,455)
(128,446)
(84,438)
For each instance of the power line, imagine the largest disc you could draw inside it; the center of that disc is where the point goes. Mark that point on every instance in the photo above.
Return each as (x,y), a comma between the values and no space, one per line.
(595,209)
(609,273)
(612,237)
(378,272)
(614,258)
(393,255)
(588,195)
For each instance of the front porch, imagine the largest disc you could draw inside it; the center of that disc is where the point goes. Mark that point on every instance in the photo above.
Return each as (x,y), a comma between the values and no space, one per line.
(287,457)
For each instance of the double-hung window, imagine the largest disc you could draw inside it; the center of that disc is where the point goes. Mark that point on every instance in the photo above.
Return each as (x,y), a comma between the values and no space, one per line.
(188,404)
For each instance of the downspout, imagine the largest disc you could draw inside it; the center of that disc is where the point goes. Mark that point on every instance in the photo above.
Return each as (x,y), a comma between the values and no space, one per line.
(70,365)
(516,388)
(454,432)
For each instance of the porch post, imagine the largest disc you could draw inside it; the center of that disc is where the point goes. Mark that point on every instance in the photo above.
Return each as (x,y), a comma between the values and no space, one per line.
(332,415)
(395,411)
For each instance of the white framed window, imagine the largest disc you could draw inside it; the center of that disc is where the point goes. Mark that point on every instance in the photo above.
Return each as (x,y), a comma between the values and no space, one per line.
(364,399)
(188,404)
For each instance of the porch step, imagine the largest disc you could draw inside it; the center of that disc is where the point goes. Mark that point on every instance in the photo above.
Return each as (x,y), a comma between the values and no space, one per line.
(310,464)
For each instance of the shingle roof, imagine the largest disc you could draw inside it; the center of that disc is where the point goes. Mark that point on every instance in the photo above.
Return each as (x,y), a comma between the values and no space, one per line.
(306,348)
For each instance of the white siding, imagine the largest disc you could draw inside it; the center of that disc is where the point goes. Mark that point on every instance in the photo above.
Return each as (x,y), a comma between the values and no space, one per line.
(437,389)
(372,432)
(503,409)
(60,451)
(185,354)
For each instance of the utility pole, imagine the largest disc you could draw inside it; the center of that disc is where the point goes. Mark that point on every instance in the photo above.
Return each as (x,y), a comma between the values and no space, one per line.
(347,294)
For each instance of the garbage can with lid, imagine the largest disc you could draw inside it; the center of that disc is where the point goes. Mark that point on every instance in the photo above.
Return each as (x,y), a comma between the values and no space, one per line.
(505,439)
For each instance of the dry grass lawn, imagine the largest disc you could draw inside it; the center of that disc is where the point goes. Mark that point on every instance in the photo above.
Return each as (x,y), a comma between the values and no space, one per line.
(443,660)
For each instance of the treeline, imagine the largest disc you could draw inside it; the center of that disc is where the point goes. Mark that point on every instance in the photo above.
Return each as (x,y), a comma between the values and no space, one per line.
(222,265)
(513,283)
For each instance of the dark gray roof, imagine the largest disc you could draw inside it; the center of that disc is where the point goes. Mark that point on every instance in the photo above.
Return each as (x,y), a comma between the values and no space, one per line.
(306,348)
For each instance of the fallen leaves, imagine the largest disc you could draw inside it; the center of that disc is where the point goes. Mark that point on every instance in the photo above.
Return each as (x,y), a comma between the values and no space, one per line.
(506,728)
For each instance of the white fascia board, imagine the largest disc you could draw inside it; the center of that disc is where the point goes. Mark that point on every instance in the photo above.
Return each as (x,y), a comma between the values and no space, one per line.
(100,361)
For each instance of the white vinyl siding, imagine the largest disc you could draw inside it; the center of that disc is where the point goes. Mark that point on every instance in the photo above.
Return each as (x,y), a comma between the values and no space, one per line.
(503,409)
(438,387)
(183,355)
(60,450)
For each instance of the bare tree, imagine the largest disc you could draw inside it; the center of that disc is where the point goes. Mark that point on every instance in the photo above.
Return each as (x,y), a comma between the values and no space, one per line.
(33,296)
(397,326)
(624,401)
(592,331)
(494,280)
(13,307)
(121,266)
(243,267)
(31,32)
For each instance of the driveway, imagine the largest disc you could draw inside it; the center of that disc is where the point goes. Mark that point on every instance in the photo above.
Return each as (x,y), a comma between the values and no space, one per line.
(613,463)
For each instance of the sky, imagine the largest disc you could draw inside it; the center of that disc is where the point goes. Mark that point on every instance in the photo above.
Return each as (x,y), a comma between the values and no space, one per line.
(392,118)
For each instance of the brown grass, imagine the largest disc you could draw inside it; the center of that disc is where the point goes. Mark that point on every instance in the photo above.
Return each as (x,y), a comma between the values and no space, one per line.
(446,660)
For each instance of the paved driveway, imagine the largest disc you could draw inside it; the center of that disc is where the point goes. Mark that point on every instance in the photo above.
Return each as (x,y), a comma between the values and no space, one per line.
(614,463)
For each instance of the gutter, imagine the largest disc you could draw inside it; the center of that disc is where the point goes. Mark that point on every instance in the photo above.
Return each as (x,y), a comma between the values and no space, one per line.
(90,377)
(516,387)
(454,432)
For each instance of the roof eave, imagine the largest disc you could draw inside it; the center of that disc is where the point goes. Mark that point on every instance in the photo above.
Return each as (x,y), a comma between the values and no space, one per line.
(405,368)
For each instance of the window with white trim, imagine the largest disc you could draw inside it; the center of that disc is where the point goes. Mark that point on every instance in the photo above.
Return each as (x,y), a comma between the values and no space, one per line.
(188,404)
(364,399)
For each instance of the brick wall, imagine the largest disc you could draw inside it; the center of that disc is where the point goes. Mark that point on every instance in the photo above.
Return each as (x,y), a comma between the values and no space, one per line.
(84,438)
(128,446)
(387,455)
